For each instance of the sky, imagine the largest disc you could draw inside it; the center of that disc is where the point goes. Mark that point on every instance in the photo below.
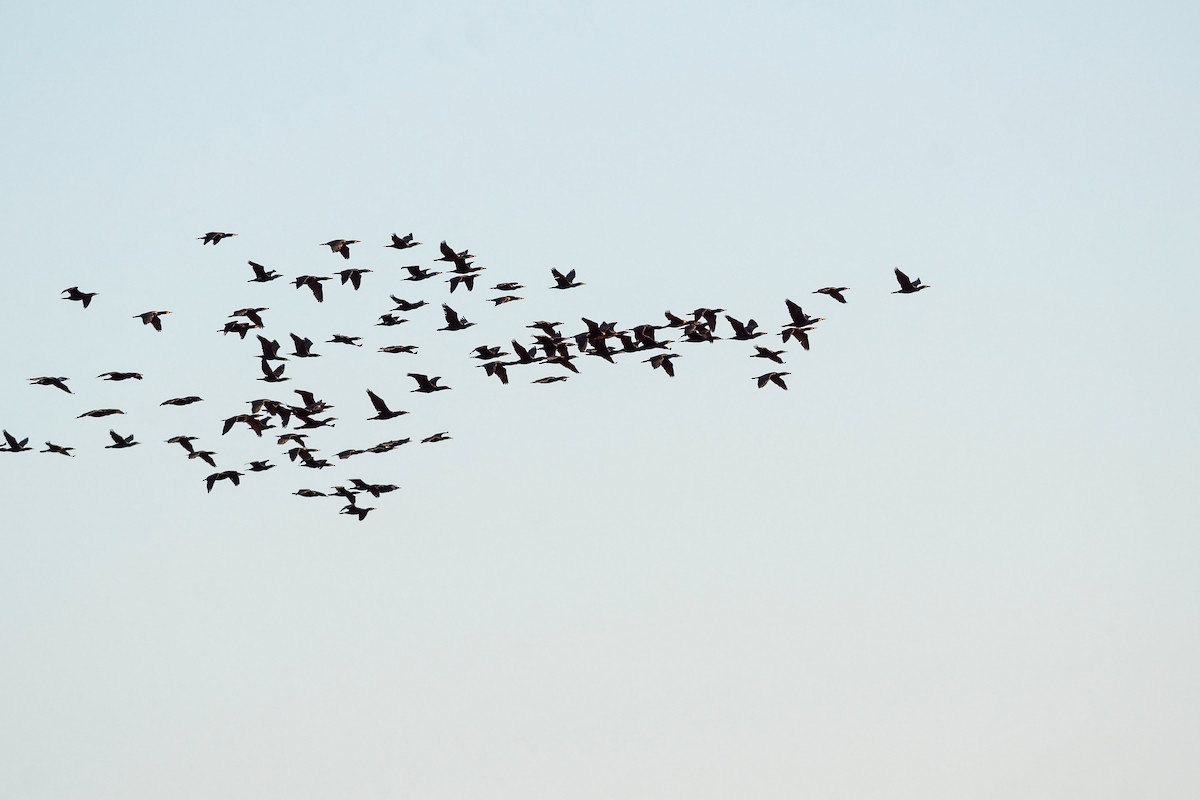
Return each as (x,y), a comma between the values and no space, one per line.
(957,556)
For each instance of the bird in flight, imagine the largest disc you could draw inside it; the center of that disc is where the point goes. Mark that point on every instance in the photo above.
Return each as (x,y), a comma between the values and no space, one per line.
(340,246)
(403,242)
(908,286)
(83,297)
(215,237)
(835,292)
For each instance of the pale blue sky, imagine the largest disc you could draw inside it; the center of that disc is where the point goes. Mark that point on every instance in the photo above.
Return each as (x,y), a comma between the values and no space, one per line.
(957,558)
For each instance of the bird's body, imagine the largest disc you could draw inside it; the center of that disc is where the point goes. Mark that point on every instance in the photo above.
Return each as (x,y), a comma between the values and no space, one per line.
(354,276)
(382,412)
(58,383)
(835,292)
(454,321)
(152,318)
(83,297)
(100,412)
(215,237)
(262,274)
(562,281)
(181,401)
(907,285)
(340,246)
(120,442)
(772,377)
(425,384)
(403,242)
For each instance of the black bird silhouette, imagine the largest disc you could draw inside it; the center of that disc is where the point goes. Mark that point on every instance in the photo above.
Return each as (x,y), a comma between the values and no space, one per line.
(404,305)
(313,282)
(270,349)
(461,261)
(375,489)
(564,281)
(262,274)
(508,298)
(251,314)
(340,246)
(508,287)
(52,381)
(230,475)
(426,384)
(664,361)
(15,446)
(454,321)
(799,318)
(485,352)
(496,368)
(241,328)
(303,347)
(835,292)
(100,412)
(352,509)
(388,320)
(215,237)
(403,242)
(58,448)
(354,276)
(399,348)
(437,437)
(341,338)
(204,455)
(908,286)
(770,355)
(272,375)
(415,273)
(552,379)
(381,409)
(184,441)
(772,377)
(181,401)
(113,375)
(744,333)
(120,442)
(83,297)
(152,318)
(309,493)
(467,280)
(800,334)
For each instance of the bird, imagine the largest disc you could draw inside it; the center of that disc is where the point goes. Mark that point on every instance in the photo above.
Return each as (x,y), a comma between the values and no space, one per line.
(461,260)
(772,377)
(60,383)
(908,286)
(770,355)
(120,442)
(496,368)
(215,237)
(152,318)
(230,475)
(15,446)
(83,297)
(204,455)
(454,321)
(403,242)
(835,292)
(485,352)
(388,320)
(404,305)
(303,347)
(184,441)
(309,493)
(58,448)
(437,437)
(181,401)
(744,333)
(100,412)
(113,375)
(241,328)
(709,315)
(467,280)
(313,282)
(551,379)
(399,348)
(262,274)
(508,298)
(664,361)
(381,409)
(261,466)
(251,314)
(356,510)
(564,281)
(270,349)
(340,246)
(354,276)
(416,273)
(272,375)
(425,384)
(341,338)
(800,334)
(799,318)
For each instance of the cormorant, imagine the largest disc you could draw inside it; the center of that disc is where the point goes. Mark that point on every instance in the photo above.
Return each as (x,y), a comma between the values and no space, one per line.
(120,442)
(152,318)
(262,274)
(381,409)
(74,294)
(403,242)
(340,246)
(835,292)
(215,237)
(181,401)
(425,384)
(564,281)
(454,321)
(51,381)
(773,377)
(908,286)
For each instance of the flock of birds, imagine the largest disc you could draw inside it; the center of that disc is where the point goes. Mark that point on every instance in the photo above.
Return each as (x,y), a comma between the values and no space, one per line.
(548,347)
